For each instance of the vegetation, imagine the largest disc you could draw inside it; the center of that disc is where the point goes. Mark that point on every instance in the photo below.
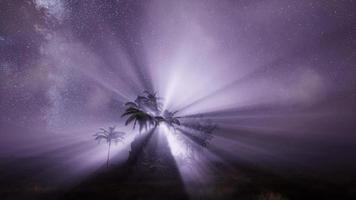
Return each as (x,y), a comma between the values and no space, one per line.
(109,136)
(138,115)
(146,110)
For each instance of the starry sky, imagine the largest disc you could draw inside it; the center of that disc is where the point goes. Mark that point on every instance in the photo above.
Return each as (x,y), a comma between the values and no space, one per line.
(278,76)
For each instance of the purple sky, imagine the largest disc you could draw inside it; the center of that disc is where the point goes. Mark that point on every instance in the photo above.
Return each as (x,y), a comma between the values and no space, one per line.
(278,76)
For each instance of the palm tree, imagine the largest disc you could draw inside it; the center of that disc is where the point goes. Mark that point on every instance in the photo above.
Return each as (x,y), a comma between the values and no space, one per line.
(109,136)
(143,111)
(146,111)
(153,101)
(138,115)
(170,119)
(149,102)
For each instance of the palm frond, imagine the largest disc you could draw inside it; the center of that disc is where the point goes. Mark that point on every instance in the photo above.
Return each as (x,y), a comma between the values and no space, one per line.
(109,135)
(103,130)
(131,110)
(176,121)
(131,104)
(130,119)
(99,138)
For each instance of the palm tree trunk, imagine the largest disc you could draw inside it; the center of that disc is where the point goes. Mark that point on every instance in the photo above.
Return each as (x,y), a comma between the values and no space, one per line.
(107,160)
(138,145)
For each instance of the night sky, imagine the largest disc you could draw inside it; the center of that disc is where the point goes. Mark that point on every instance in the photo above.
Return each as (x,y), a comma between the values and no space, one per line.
(277,76)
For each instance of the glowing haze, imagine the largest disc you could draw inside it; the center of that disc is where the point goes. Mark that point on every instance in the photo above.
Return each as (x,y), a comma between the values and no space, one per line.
(278,77)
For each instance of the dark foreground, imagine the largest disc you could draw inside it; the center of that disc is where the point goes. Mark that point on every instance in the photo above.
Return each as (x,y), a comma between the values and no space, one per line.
(123,182)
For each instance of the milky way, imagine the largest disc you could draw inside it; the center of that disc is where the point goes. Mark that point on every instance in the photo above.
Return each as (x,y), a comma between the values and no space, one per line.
(278,77)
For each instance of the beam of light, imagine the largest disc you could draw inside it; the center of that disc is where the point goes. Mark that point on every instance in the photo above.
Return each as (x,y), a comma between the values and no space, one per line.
(68,156)
(280,93)
(182,69)
(194,167)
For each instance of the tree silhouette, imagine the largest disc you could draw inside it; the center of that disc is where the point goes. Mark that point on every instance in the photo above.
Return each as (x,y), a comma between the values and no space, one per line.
(137,115)
(146,111)
(143,111)
(170,119)
(109,135)
(149,103)
(153,101)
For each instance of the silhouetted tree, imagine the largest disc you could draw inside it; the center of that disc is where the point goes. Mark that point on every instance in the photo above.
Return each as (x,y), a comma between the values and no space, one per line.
(153,101)
(137,115)
(146,111)
(143,111)
(170,119)
(109,135)
(149,103)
